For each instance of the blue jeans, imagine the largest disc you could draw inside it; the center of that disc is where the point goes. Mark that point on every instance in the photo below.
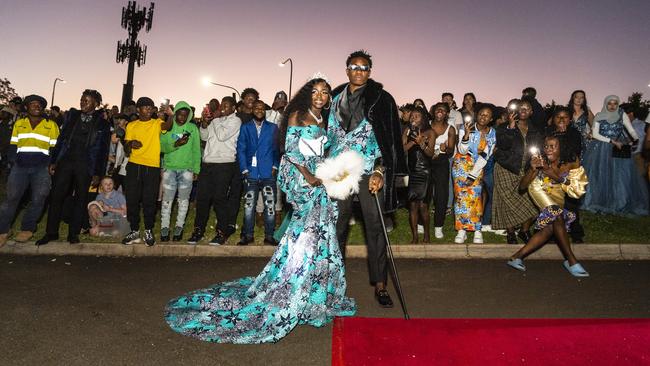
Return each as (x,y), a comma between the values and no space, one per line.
(252,189)
(175,181)
(20,178)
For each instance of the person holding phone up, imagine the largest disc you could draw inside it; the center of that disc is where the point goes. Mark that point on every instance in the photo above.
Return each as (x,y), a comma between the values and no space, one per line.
(181,147)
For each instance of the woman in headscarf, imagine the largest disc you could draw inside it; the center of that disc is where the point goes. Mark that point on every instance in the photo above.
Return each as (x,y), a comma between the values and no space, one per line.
(615,187)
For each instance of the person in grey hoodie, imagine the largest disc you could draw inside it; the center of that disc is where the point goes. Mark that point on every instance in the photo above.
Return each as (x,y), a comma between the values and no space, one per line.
(220,179)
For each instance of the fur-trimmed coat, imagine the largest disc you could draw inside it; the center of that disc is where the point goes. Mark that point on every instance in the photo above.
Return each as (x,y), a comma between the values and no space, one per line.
(382,113)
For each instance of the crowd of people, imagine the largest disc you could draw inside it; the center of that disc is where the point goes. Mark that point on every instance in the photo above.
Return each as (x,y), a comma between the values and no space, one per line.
(517,169)
(470,159)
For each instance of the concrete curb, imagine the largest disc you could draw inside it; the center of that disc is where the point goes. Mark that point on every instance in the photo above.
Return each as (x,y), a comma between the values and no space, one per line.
(447,251)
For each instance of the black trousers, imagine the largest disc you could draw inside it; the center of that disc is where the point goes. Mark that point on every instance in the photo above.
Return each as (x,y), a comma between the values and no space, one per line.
(69,176)
(220,186)
(440,185)
(375,242)
(141,186)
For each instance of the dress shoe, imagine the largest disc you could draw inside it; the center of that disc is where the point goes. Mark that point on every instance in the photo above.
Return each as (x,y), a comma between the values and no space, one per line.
(23,236)
(245,240)
(383,298)
(46,239)
(269,240)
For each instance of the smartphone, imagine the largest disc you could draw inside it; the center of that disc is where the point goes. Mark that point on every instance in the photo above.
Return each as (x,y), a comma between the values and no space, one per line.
(186,135)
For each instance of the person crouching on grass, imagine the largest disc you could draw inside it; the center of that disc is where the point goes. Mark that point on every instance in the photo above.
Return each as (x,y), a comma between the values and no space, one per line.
(143,170)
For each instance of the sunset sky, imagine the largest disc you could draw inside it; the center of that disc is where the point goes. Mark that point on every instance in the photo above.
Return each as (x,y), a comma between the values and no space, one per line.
(419,48)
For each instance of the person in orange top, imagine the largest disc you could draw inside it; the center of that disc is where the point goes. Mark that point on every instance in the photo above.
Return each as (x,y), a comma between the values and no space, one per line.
(143,170)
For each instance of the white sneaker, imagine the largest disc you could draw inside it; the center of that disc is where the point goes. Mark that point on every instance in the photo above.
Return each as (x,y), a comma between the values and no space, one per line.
(478,237)
(500,232)
(420,229)
(486,228)
(460,237)
(437,231)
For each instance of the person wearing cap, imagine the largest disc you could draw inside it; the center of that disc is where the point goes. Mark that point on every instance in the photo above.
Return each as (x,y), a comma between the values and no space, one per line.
(32,140)
(142,142)
(78,161)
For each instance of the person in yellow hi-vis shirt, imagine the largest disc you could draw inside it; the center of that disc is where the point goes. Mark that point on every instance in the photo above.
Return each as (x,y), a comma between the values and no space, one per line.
(29,156)
(143,170)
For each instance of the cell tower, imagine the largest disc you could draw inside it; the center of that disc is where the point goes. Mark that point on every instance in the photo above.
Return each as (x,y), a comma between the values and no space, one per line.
(133,20)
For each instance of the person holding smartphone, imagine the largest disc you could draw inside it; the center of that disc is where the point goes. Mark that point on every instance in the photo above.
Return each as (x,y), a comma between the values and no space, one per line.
(181,147)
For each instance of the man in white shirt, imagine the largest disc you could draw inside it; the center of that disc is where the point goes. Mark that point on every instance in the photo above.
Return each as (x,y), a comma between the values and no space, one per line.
(220,180)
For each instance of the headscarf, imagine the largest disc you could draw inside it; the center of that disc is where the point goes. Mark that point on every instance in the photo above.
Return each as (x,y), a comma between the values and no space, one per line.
(605,114)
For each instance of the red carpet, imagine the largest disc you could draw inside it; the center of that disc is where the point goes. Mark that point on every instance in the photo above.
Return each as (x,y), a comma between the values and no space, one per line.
(377,341)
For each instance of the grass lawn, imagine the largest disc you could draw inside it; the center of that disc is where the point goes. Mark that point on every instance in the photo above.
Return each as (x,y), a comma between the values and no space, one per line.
(598,228)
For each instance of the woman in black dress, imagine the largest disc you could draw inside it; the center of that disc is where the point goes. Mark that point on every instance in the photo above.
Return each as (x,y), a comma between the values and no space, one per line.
(419,143)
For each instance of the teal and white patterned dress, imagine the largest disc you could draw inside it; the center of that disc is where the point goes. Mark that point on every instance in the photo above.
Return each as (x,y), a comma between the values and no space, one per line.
(303,283)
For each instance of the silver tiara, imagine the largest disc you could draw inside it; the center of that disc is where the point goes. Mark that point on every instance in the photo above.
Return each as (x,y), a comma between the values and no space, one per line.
(319,75)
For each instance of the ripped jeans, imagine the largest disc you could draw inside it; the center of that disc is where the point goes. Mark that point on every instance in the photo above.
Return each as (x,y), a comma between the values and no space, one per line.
(252,189)
(173,181)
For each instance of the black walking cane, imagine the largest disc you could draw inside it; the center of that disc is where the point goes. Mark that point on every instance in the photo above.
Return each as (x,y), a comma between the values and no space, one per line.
(393,268)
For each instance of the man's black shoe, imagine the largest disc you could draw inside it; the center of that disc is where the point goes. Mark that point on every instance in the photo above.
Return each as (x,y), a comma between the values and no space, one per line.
(73,239)
(46,239)
(196,237)
(383,298)
(269,240)
(245,240)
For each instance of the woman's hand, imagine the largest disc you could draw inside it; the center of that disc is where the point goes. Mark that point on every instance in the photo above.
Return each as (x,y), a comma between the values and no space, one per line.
(618,144)
(420,139)
(376,183)
(313,181)
(512,119)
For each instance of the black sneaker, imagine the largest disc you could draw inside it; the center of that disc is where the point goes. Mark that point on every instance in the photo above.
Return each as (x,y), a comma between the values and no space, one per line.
(164,234)
(131,238)
(178,234)
(149,239)
(218,239)
(196,237)
(46,239)
(383,298)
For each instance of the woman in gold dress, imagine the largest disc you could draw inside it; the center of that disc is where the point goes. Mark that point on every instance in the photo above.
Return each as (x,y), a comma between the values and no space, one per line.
(547,181)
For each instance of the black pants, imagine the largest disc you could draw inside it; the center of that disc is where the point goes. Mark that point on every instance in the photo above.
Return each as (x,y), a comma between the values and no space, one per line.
(219,185)
(69,176)
(141,186)
(375,242)
(577,231)
(440,185)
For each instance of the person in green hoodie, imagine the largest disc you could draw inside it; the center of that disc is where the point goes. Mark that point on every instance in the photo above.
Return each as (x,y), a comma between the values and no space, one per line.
(181,147)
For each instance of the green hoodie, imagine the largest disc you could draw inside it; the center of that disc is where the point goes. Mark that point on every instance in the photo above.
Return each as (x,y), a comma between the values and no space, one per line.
(187,156)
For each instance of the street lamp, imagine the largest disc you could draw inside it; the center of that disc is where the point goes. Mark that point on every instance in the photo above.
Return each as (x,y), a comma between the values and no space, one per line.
(54,88)
(281,64)
(207,81)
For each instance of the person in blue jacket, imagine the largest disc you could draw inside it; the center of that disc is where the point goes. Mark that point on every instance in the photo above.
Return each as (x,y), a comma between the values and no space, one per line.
(259,157)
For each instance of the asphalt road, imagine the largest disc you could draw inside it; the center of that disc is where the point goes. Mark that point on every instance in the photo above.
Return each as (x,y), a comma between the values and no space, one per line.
(109,311)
